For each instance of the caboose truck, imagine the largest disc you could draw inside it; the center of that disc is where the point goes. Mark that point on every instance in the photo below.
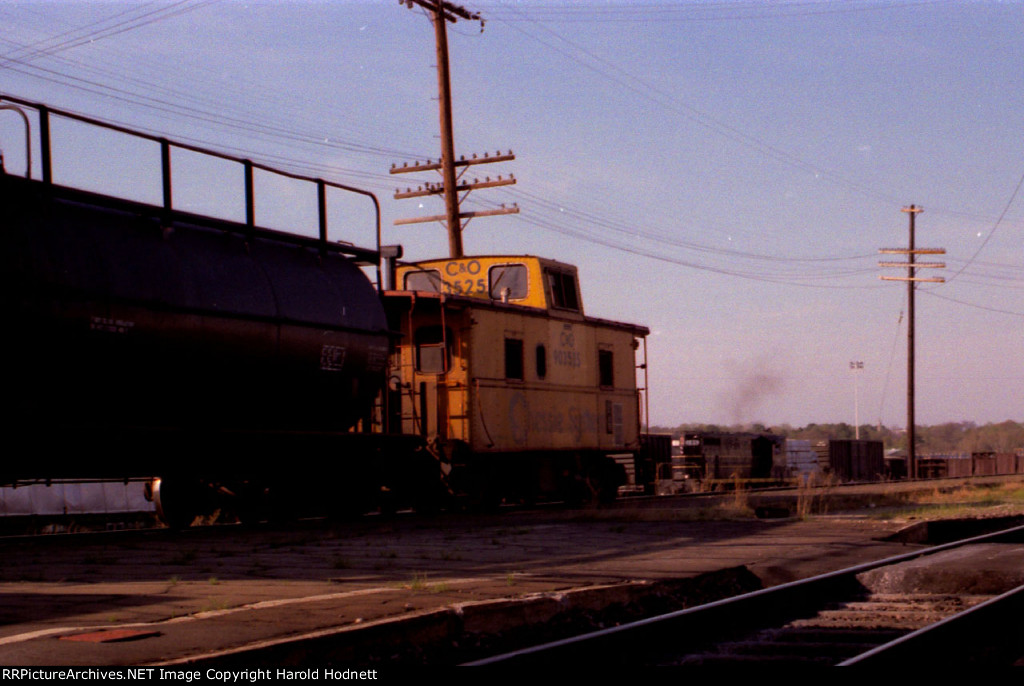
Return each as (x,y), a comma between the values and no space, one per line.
(234,365)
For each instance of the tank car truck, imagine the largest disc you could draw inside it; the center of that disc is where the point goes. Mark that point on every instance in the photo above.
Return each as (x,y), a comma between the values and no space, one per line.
(519,394)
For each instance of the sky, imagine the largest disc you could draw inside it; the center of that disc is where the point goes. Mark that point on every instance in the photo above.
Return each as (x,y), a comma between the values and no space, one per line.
(723,173)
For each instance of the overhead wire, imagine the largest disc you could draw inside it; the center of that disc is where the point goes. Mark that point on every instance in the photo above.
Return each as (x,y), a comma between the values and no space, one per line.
(653,94)
(48,47)
(270,131)
(698,11)
(992,232)
(549,222)
(892,359)
(166,100)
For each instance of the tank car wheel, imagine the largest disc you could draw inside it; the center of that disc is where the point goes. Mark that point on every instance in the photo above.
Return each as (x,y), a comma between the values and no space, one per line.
(176,501)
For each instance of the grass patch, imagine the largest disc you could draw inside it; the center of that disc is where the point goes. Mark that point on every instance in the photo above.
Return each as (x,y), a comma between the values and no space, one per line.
(215,605)
(965,500)
(419,584)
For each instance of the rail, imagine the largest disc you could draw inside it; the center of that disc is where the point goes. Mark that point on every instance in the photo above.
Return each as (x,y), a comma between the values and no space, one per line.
(987,624)
(166,146)
(659,634)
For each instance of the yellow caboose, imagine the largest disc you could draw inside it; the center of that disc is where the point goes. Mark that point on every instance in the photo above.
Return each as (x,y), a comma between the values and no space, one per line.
(519,395)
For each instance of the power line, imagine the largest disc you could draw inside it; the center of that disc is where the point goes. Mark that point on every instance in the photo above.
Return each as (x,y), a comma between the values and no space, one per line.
(1009,204)
(699,11)
(47,47)
(974,305)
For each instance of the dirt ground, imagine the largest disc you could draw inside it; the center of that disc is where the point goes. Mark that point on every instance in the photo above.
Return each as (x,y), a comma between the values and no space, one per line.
(406,590)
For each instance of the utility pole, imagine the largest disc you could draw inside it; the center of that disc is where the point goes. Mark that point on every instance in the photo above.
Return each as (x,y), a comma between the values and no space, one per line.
(911,278)
(442,12)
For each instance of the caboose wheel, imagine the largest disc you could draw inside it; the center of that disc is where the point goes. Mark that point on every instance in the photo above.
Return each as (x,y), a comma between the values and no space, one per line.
(176,501)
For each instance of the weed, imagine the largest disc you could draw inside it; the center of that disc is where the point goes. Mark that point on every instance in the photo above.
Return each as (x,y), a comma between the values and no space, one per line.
(214,605)
(419,582)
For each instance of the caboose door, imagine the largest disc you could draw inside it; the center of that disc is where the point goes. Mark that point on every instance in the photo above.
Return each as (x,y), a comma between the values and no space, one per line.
(433,360)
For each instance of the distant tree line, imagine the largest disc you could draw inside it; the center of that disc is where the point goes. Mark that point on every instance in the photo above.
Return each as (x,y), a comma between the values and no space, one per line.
(953,437)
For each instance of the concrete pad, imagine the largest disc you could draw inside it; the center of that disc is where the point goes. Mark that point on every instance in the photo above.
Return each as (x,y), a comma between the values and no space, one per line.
(217,592)
(983,569)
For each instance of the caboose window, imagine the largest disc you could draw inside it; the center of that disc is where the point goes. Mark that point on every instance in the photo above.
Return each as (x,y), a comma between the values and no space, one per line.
(426,280)
(514,359)
(606,367)
(563,289)
(508,282)
(542,361)
(432,355)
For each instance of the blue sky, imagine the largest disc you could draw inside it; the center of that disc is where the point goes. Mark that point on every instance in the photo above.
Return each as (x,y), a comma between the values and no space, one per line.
(721,172)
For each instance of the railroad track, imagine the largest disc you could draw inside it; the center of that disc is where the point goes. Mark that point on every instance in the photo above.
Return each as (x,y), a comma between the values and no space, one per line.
(80,523)
(952,604)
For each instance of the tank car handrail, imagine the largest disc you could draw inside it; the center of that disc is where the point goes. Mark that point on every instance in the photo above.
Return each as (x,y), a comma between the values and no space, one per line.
(165,146)
(28,137)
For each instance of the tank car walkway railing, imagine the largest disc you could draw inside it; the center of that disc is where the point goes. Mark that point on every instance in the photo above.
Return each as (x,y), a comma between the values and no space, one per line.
(46,164)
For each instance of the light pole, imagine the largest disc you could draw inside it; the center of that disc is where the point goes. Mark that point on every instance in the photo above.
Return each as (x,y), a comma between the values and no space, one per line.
(856,367)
